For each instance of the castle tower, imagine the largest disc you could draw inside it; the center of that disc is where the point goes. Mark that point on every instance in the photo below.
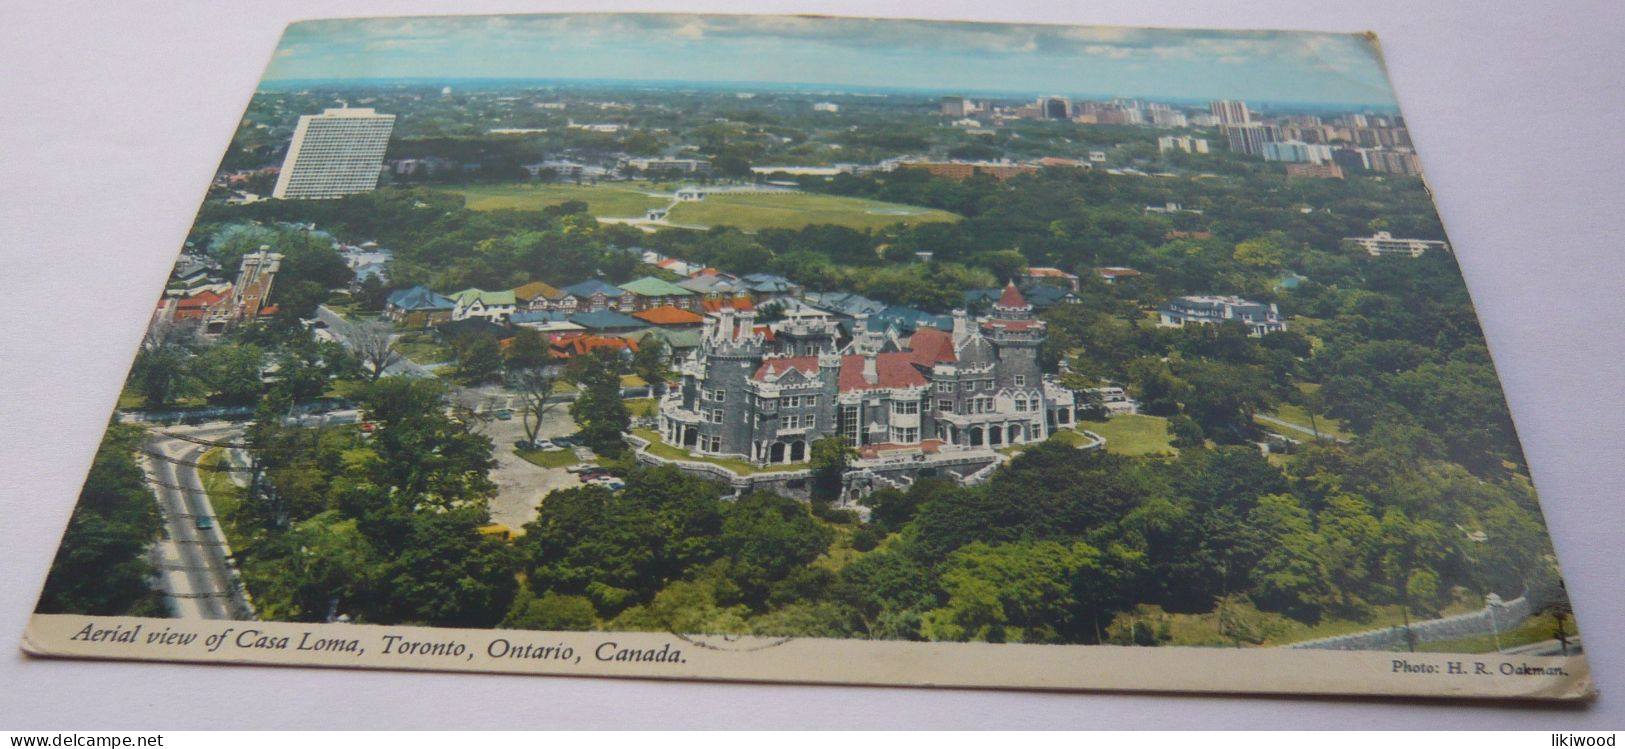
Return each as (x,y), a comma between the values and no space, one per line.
(732,350)
(1016,335)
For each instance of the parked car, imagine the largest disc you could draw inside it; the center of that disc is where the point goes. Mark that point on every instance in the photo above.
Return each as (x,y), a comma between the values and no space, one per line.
(581,468)
(204,522)
(503,414)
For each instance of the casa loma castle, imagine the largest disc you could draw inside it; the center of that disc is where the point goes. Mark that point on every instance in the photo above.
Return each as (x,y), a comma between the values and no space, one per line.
(765,393)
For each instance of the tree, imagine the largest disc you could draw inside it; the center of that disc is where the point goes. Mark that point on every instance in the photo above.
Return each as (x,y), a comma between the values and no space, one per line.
(536,389)
(1019,592)
(830,457)
(374,345)
(161,372)
(101,566)
(233,371)
(528,349)
(599,410)
(479,358)
(649,363)
(765,537)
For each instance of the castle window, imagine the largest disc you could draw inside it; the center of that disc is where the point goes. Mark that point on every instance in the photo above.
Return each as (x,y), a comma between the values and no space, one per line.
(945,405)
(945,387)
(715,416)
(1021,381)
(905,407)
(849,423)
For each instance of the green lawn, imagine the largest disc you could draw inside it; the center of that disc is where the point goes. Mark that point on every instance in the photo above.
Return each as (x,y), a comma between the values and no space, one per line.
(755,211)
(641,406)
(1064,436)
(224,497)
(662,450)
(548,458)
(616,200)
(1296,414)
(1133,434)
(750,212)
(421,348)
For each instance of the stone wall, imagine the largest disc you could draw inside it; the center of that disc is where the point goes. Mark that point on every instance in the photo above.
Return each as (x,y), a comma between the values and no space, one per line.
(1497,615)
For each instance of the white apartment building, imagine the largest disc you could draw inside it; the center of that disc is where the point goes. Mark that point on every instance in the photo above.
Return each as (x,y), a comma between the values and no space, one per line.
(338,152)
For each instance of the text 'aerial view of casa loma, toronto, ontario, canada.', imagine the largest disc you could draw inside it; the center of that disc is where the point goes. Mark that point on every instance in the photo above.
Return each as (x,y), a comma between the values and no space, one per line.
(821,328)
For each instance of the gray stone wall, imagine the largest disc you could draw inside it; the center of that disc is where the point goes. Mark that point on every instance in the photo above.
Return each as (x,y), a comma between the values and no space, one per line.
(1495,616)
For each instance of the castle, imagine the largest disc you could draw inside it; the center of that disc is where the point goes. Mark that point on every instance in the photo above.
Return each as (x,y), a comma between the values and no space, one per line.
(765,393)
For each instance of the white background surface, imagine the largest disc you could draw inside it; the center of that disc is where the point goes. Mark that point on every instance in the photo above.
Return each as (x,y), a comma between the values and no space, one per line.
(113,117)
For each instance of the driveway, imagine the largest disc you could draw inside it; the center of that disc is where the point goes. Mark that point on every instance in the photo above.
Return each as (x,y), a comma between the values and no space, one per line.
(522,485)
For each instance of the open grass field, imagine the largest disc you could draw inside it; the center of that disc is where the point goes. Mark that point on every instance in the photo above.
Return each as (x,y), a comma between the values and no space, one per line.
(753,212)
(750,212)
(1133,434)
(617,200)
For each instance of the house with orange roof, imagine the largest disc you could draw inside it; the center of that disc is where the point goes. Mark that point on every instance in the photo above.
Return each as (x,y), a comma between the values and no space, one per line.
(671,317)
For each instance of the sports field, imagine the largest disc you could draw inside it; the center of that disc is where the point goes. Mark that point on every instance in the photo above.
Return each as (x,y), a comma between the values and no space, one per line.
(754,211)
(617,200)
(749,211)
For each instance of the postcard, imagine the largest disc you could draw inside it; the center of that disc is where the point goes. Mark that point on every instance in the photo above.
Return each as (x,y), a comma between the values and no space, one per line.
(821,350)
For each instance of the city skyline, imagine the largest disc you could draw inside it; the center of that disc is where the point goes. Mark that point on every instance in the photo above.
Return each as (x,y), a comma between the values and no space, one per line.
(1261,66)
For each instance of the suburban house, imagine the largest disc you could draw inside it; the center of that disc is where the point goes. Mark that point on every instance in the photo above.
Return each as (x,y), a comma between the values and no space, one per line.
(649,292)
(679,343)
(843,304)
(418,307)
(545,321)
(607,322)
(671,318)
(536,295)
(765,286)
(1053,275)
(496,306)
(571,346)
(711,284)
(1259,318)
(1113,274)
(594,295)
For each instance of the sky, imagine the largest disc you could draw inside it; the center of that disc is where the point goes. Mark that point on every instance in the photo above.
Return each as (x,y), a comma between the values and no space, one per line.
(1278,66)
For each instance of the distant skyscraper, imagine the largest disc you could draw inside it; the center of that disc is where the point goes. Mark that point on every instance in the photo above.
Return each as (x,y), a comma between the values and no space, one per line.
(338,152)
(955,106)
(1055,108)
(1230,112)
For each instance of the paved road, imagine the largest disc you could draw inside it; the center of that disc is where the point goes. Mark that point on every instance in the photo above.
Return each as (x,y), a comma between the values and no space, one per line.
(342,330)
(198,575)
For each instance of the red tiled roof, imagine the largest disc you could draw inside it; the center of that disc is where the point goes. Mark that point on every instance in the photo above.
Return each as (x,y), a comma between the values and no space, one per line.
(568,346)
(892,370)
(668,315)
(931,346)
(201,300)
(1011,298)
(742,304)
